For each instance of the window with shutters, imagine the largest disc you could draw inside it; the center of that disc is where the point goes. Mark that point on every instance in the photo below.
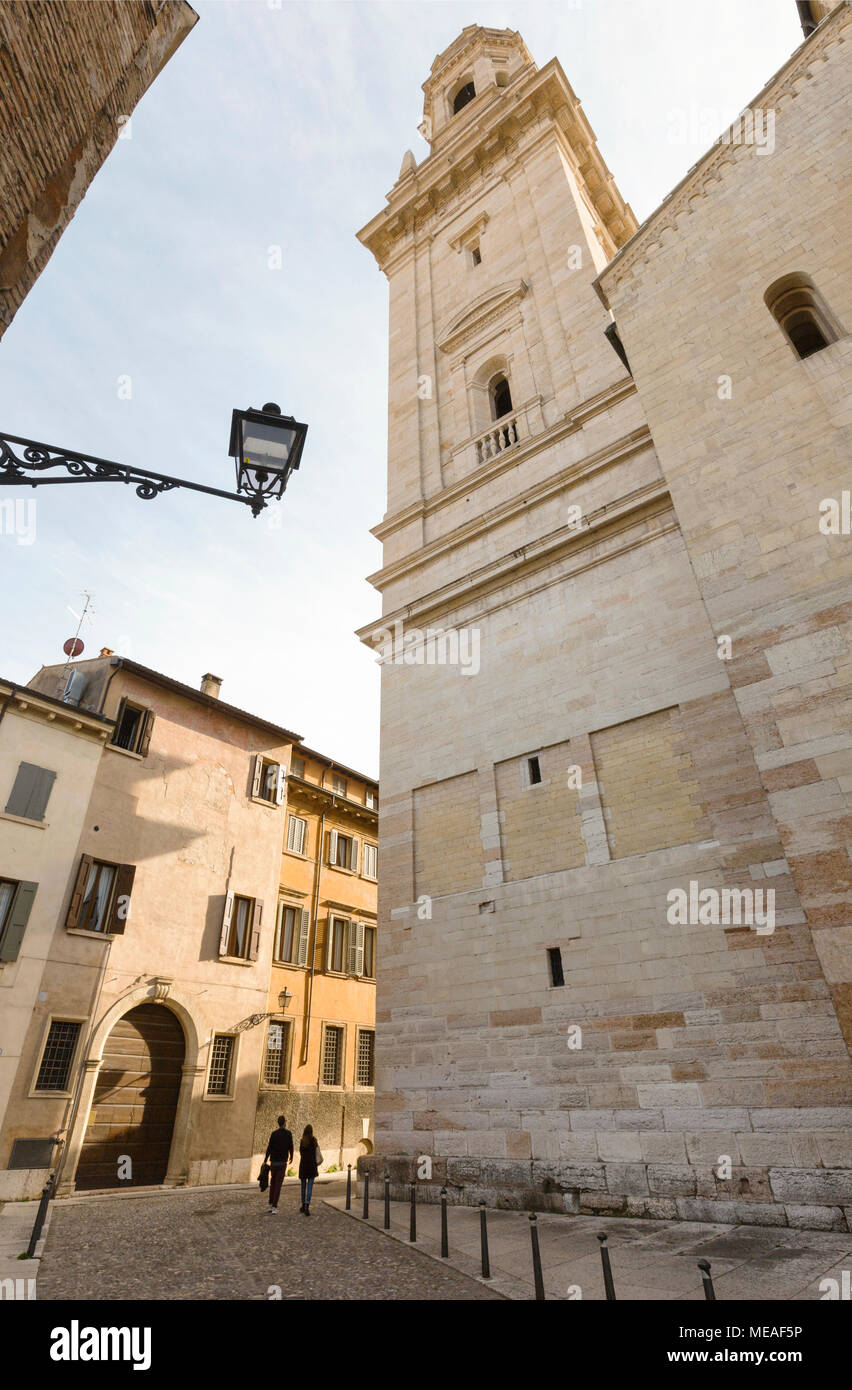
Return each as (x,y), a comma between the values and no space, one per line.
(277,1057)
(331,1067)
(100,900)
(369,971)
(371,799)
(221,1065)
(365,1057)
(336,945)
(133,724)
(16,900)
(343,851)
(239,938)
(370,861)
(297,835)
(30,792)
(291,935)
(57,1058)
(269,780)
(297,768)
(339,785)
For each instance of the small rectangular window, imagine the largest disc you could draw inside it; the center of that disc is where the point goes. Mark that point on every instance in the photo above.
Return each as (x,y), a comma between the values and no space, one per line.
(476,254)
(344,852)
(370,799)
(370,869)
(54,1073)
(339,785)
(31,792)
(297,768)
(554,956)
(241,924)
(534,768)
(297,835)
(133,728)
(221,1061)
(275,1061)
(332,1055)
(97,897)
(364,1061)
(287,937)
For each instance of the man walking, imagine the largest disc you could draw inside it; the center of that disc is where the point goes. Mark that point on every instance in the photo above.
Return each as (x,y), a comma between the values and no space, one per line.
(279,1151)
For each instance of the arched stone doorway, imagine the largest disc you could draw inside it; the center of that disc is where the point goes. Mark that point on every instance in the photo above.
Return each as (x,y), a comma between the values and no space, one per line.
(136,1096)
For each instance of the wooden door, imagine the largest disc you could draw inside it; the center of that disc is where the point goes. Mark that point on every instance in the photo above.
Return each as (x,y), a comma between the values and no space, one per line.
(136,1095)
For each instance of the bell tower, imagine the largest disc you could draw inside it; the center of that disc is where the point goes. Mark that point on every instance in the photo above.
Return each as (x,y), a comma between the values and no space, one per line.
(560,744)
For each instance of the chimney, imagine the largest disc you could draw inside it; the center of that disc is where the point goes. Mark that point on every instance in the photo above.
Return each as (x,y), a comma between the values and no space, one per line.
(211,685)
(106,651)
(806,17)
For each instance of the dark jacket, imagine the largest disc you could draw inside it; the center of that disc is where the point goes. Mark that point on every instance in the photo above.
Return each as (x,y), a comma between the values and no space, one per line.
(279,1150)
(308,1158)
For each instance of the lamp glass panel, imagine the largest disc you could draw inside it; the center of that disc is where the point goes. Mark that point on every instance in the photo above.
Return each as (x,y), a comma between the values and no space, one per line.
(266,446)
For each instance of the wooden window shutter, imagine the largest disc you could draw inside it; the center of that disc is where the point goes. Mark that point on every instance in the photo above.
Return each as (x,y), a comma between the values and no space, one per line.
(16,923)
(120,910)
(355,963)
(304,931)
(354,864)
(76,903)
(280,784)
(256,923)
(332,846)
(145,736)
(257,780)
(226,924)
(329,942)
(119,714)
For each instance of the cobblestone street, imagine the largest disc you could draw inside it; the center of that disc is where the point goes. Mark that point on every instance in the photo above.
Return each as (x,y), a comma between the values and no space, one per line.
(222,1244)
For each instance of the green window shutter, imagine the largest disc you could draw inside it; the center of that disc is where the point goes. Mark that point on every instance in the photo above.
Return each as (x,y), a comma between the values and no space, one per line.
(16,922)
(31,792)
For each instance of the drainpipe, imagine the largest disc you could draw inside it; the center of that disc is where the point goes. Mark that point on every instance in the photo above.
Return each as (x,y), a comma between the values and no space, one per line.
(312,948)
(806,17)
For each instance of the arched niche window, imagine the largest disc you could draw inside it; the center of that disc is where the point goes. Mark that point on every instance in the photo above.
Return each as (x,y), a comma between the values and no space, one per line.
(463,96)
(500,397)
(802,314)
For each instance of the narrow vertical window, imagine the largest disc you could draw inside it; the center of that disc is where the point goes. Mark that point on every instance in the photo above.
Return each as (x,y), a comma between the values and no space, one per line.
(534,770)
(554,959)
(221,1062)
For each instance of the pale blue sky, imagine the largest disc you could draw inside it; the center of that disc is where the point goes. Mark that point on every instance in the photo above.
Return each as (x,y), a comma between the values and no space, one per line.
(286,126)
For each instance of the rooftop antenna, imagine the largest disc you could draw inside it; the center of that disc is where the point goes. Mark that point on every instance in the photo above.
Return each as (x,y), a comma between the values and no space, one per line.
(74,646)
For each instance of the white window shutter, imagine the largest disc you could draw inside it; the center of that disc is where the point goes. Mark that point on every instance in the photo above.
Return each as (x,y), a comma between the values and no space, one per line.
(332,846)
(226,924)
(304,930)
(257,781)
(355,964)
(280,785)
(354,865)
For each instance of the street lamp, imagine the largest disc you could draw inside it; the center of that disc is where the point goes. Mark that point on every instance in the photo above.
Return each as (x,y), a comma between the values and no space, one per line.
(266,445)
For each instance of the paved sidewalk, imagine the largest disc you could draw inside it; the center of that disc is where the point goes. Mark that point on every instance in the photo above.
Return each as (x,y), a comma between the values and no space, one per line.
(221,1243)
(650,1259)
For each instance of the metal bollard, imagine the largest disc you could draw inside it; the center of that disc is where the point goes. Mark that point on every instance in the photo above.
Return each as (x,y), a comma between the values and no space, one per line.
(349,1187)
(445,1245)
(709,1291)
(483,1242)
(387,1201)
(46,1194)
(536,1254)
(366,1211)
(412,1228)
(607,1269)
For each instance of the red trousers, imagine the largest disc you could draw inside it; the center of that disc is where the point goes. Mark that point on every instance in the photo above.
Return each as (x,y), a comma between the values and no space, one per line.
(276,1178)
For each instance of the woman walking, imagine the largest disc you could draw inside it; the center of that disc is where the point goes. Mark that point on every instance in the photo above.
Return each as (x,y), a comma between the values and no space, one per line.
(309,1160)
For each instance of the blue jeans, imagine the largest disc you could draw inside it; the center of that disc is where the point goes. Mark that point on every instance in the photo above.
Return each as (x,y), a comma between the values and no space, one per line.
(307,1189)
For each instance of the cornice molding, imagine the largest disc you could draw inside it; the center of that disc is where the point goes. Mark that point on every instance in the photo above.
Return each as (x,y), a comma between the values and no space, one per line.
(635,520)
(697,183)
(637,442)
(482,477)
